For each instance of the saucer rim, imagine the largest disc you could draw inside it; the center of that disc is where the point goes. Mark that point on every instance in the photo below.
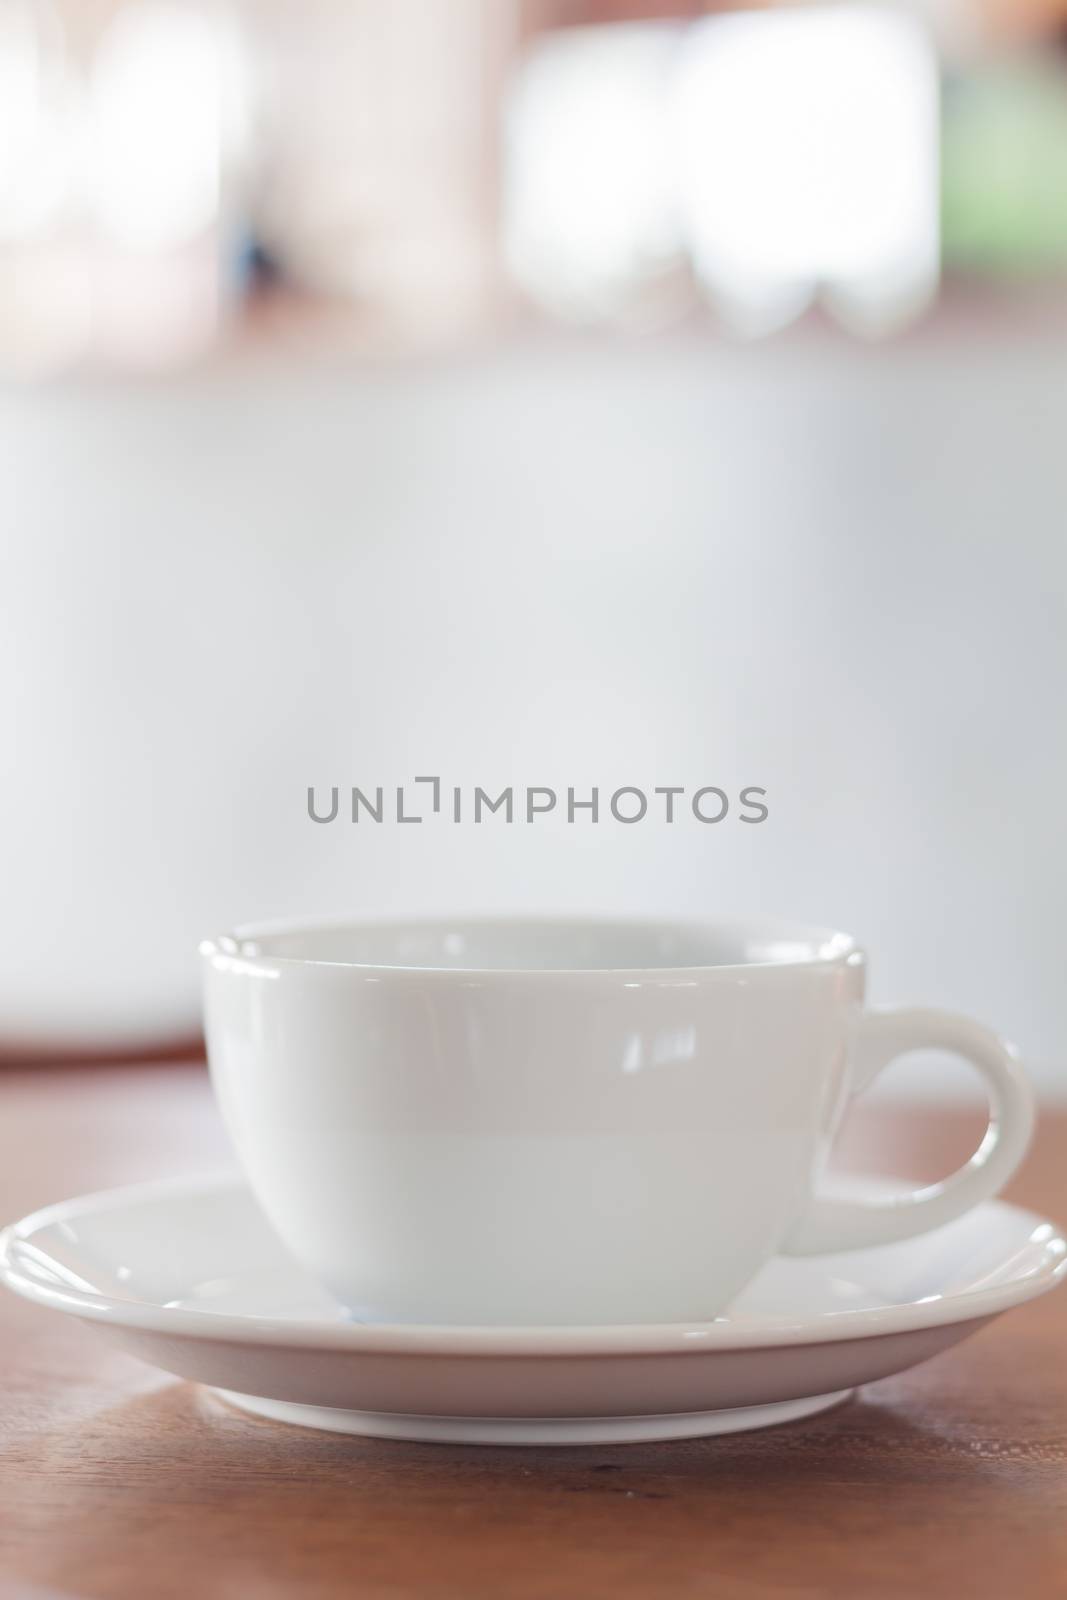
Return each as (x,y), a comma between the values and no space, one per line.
(501,1340)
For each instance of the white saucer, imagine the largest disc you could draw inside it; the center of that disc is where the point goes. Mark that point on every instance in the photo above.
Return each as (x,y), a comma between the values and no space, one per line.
(188,1276)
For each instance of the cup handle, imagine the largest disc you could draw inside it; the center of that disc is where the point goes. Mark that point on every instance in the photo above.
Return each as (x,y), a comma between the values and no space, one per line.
(883,1034)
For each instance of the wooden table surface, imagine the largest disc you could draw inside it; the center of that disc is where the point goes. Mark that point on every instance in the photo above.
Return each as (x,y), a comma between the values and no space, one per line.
(118,1481)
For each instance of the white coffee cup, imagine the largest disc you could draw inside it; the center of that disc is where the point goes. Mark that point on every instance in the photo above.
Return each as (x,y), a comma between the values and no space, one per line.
(534,1122)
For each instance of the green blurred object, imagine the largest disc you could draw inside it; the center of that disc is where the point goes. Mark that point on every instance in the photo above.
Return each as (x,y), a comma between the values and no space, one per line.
(1004,170)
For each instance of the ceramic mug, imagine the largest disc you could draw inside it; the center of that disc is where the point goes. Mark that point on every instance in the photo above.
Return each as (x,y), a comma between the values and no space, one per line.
(505,1121)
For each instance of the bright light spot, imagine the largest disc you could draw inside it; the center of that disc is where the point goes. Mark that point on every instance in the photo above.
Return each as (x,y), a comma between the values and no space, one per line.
(589,216)
(808,160)
(157,119)
(633,1054)
(34,146)
(674,1045)
(668,1047)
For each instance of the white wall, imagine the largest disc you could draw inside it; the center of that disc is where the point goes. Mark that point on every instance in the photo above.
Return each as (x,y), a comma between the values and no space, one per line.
(835,572)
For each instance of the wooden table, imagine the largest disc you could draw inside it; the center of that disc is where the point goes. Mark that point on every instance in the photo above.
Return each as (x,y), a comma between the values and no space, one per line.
(118,1481)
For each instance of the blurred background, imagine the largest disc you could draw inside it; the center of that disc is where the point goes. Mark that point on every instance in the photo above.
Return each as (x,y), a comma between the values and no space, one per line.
(552,393)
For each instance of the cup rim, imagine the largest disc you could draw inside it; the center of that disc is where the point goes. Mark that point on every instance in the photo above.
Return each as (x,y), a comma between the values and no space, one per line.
(801,945)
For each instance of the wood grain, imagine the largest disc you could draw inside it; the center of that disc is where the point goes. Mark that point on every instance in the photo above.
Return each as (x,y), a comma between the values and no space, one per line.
(116,1481)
